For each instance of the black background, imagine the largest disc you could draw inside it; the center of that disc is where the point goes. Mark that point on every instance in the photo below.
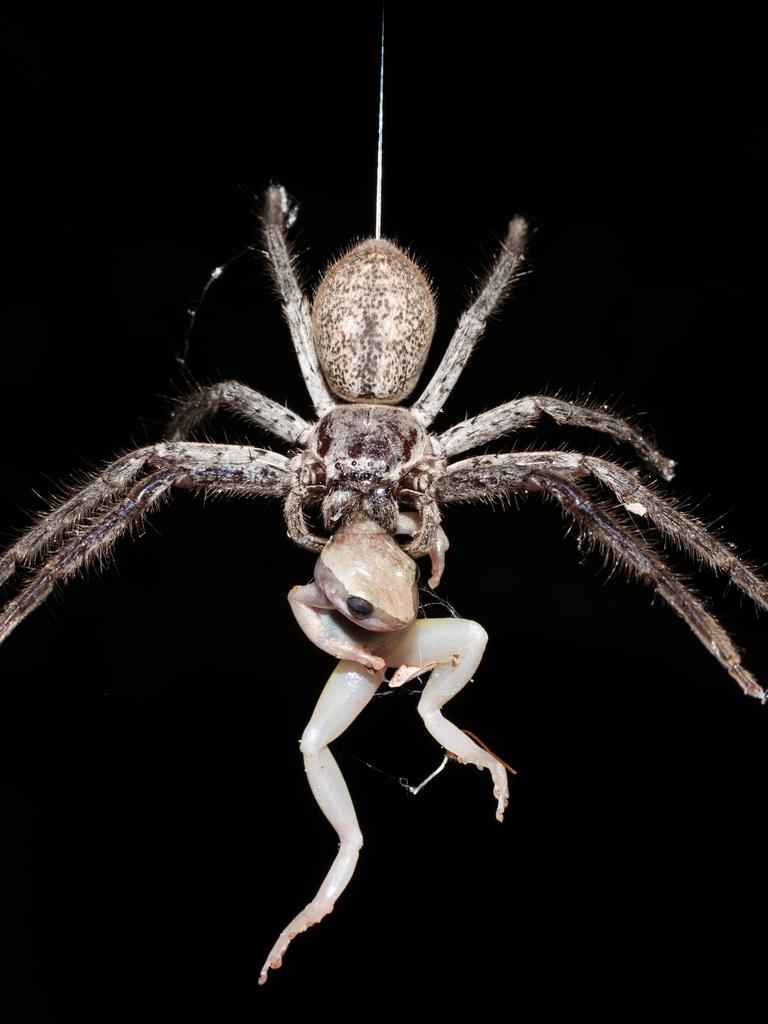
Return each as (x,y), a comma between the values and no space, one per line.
(159,828)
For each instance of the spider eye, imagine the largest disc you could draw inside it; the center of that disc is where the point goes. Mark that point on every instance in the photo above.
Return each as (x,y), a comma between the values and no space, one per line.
(360,607)
(417,577)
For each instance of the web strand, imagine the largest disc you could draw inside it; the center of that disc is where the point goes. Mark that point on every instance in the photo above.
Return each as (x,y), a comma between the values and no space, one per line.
(379,160)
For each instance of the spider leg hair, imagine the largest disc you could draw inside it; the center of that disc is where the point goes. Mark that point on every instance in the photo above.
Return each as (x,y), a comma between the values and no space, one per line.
(87,543)
(522,413)
(296,306)
(94,517)
(471,325)
(684,530)
(194,409)
(480,478)
(82,503)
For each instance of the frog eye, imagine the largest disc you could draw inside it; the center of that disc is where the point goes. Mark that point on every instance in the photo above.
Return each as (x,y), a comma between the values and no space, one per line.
(359,607)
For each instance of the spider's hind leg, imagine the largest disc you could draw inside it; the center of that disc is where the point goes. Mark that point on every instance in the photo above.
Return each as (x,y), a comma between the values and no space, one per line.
(631,551)
(102,489)
(555,474)
(95,517)
(87,544)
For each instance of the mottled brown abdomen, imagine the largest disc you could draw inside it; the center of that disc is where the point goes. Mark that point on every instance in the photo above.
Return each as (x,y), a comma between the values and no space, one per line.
(373,318)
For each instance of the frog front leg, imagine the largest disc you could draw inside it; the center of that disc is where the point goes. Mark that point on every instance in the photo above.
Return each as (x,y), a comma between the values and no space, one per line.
(330,631)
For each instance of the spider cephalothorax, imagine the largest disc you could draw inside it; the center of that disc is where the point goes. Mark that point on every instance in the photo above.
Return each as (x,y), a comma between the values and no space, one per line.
(365,459)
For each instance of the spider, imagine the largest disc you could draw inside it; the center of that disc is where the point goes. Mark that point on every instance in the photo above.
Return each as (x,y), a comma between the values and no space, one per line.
(374,472)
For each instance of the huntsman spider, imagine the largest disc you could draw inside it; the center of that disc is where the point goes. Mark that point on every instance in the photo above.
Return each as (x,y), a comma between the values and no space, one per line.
(375,474)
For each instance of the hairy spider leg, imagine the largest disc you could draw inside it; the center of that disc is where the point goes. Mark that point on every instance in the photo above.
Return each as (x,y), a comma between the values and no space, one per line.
(278,214)
(471,325)
(523,413)
(116,501)
(487,476)
(194,409)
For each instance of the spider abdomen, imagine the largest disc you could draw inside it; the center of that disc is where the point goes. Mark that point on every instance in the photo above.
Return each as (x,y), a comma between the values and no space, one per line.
(373,319)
